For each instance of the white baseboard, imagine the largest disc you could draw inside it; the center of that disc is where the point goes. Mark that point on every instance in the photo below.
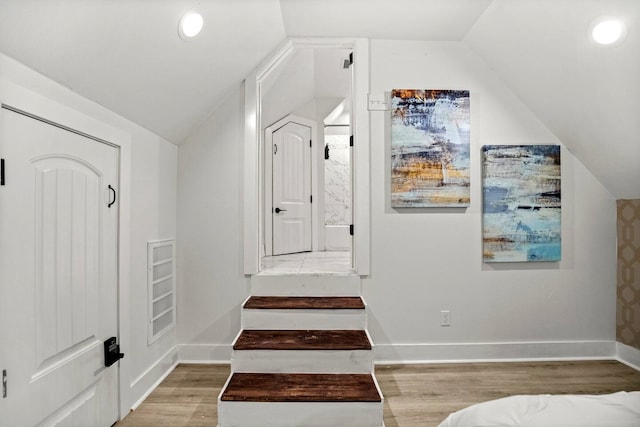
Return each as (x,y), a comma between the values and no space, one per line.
(443,352)
(205,353)
(151,378)
(628,355)
(490,352)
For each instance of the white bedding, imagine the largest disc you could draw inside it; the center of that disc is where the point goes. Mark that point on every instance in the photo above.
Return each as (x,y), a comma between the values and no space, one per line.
(620,409)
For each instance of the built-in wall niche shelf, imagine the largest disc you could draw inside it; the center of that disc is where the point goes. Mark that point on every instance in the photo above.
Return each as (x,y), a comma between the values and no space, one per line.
(161,288)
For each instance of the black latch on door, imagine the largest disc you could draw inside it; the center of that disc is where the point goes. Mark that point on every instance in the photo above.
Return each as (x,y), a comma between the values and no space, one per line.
(112,351)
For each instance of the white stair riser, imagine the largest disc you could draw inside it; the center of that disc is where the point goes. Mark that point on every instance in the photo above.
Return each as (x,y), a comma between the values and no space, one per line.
(303,361)
(303,319)
(305,285)
(308,414)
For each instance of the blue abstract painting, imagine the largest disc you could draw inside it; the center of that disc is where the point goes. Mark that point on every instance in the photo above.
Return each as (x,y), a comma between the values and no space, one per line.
(429,148)
(521,204)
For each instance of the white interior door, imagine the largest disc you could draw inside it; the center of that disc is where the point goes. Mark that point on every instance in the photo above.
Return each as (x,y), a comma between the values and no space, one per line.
(58,275)
(291,214)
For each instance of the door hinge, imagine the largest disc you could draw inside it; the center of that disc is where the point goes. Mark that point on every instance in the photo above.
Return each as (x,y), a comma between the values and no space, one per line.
(326,152)
(311,199)
(4,383)
(350,229)
(1,171)
(351,141)
(348,62)
(310,141)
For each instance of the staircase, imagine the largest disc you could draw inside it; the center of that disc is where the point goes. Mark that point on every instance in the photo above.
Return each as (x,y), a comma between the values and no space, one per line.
(303,357)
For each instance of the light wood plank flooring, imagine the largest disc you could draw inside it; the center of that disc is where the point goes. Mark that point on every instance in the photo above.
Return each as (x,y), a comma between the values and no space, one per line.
(415,395)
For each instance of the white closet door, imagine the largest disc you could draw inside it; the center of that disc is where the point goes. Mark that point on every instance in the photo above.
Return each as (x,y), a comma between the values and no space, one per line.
(58,275)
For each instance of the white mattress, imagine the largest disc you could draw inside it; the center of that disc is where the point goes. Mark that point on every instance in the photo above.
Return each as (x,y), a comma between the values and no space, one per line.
(620,409)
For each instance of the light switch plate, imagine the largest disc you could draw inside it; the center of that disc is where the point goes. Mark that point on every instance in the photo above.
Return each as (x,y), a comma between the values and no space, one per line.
(378,102)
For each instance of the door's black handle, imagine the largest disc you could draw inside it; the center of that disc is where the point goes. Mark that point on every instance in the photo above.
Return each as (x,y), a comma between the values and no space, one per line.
(278,210)
(114,196)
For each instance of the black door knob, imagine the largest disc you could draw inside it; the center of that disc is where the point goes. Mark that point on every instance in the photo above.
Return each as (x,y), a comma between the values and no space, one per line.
(278,210)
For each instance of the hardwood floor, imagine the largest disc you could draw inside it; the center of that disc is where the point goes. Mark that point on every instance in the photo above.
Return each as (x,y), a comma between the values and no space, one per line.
(187,397)
(415,395)
(423,395)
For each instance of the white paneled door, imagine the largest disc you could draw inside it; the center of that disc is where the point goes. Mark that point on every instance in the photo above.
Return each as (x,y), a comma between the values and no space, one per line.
(291,214)
(58,275)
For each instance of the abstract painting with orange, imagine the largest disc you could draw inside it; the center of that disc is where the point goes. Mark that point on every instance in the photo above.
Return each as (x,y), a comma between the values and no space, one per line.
(430,148)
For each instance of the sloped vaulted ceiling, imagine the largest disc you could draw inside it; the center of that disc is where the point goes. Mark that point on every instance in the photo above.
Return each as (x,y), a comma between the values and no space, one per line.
(126,56)
(588,95)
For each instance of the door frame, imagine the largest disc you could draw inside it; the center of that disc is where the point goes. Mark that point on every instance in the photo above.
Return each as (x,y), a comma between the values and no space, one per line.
(41,106)
(254,147)
(268,177)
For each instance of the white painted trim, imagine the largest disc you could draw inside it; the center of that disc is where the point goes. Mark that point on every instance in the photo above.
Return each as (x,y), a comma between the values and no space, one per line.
(306,319)
(445,353)
(303,361)
(153,369)
(252,202)
(290,414)
(306,285)
(254,147)
(253,247)
(628,355)
(493,352)
(361,159)
(281,53)
(124,271)
(205,353)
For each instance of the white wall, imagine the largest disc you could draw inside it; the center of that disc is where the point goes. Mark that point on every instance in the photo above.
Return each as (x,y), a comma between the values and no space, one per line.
(148,199)
(290,89)
(153,217)
(211,281)
(425,261)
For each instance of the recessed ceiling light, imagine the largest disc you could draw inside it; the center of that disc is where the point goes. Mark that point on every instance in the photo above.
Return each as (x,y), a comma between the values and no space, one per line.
(190,25)
(608,31)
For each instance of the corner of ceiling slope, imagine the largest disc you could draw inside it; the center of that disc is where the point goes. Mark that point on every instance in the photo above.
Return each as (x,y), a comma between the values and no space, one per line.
(448,20)
(586,84)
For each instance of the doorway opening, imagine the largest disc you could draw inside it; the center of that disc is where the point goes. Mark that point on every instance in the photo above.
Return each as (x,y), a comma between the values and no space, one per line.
(259,115)
(305,105)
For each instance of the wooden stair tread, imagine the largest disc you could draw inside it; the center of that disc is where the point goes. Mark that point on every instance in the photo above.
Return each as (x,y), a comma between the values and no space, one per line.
(302,340)
(260,387)
(296,303)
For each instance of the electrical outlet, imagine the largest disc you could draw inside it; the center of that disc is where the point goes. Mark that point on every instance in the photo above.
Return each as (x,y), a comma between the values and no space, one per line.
(445,318)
